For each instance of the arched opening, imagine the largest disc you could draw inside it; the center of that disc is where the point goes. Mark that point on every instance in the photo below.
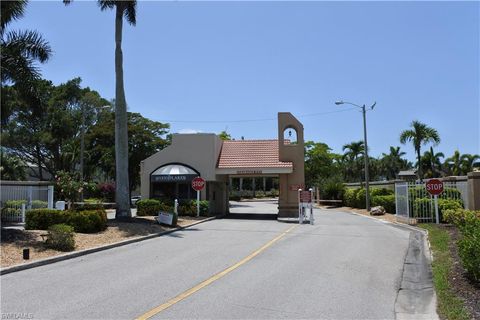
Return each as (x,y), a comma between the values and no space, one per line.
(289,136)
(173,181)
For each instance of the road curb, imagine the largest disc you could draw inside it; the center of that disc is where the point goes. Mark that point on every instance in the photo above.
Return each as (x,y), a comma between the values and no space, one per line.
(75,254)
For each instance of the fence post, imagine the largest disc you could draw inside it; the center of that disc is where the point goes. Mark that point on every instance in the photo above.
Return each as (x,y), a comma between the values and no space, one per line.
(29,196)
(23,212)
(50,197)
(473,191)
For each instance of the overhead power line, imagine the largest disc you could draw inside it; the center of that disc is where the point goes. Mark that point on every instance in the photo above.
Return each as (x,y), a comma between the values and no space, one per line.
(257,120)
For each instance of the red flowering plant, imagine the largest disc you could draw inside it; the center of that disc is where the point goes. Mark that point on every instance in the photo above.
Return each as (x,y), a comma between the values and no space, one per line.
(107,190)
(69,186)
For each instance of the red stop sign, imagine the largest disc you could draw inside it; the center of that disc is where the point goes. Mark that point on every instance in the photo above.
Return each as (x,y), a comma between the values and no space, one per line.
(198,184)
(434,186)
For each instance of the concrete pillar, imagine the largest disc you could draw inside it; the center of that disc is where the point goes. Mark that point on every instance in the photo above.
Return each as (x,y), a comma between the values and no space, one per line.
(241,184)
(473,190)
(264,184)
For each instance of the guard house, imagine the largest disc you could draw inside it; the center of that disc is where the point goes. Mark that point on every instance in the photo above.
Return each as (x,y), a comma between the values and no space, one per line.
(169,172)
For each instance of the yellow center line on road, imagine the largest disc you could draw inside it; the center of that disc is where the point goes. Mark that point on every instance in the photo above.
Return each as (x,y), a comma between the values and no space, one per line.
(214,278)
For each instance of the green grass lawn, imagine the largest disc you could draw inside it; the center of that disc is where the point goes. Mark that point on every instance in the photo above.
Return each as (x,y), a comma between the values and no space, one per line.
(449,305)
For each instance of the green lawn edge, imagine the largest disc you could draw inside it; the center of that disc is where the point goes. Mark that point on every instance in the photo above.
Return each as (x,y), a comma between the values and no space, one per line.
(450,306)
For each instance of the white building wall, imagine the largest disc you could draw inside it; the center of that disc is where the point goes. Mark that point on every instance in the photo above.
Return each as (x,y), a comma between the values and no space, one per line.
(199,151)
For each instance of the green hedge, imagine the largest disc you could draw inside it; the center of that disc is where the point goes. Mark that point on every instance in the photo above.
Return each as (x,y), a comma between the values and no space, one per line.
(333,190)
(88,221)
(468,222)
(349,197)
(386,201)
(61,237)
(42,219)
(355,198)
(189,208)
(151,207)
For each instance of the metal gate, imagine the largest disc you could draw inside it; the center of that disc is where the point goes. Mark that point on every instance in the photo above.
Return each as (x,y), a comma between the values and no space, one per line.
(415,205)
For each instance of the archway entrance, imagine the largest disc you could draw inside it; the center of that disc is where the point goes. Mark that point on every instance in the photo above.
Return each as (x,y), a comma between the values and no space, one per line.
(173,181)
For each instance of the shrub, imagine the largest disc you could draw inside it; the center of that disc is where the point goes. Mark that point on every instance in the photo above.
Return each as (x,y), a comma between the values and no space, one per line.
(107,190)
(333,190)
(360,198)
(88,221)
(386,201)
(449,204)
(381,192)
(234,197)
(187,208)
(87,206)
(148,207)
(349,197)
(60,237)
(204,206)
(272,193)
(42,219)
(259,194)
(38,204)
(82,221)
(468,222)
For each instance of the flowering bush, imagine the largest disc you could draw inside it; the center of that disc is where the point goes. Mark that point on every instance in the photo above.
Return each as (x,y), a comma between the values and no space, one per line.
(69,185)
(107,190)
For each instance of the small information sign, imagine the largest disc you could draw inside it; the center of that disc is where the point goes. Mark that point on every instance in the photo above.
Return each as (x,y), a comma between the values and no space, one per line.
(165,218)
(305,196)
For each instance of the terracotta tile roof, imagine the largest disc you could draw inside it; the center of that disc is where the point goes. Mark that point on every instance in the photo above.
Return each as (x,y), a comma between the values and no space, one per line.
(250,154)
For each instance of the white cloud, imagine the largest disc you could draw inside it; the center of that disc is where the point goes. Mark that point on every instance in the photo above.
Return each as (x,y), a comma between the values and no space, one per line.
(188,130)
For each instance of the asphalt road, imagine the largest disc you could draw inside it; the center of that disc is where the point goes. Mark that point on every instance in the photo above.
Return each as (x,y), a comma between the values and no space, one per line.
(343,267)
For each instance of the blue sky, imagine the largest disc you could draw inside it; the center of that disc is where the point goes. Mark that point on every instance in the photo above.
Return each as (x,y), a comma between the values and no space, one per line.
(224,62)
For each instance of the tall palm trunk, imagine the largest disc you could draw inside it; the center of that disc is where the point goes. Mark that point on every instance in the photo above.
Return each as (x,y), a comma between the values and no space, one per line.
(121,129)
(419,170)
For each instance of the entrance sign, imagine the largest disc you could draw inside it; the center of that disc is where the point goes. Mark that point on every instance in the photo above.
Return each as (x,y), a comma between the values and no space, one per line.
(305,196)
(165,218)
(198,184)
(435,187)
(168,218)
(304,203)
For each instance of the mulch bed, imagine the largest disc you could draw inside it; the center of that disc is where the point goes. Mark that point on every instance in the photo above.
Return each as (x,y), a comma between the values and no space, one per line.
(13,240)
(463,287)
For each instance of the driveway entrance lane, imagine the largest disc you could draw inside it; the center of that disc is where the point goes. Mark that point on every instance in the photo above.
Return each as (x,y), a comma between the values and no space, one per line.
(344,267)
(125,281)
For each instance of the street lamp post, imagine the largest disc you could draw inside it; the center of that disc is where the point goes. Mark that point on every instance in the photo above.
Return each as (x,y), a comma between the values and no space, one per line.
(367,175)
(82,149)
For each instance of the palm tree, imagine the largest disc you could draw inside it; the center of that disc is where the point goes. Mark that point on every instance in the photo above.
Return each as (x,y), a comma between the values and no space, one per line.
(431,163)
(20,49)
(11,167)
(469,161)
(127,9)
(454,163)
(419,135)
(352,153)
(393,162)
(354,150)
